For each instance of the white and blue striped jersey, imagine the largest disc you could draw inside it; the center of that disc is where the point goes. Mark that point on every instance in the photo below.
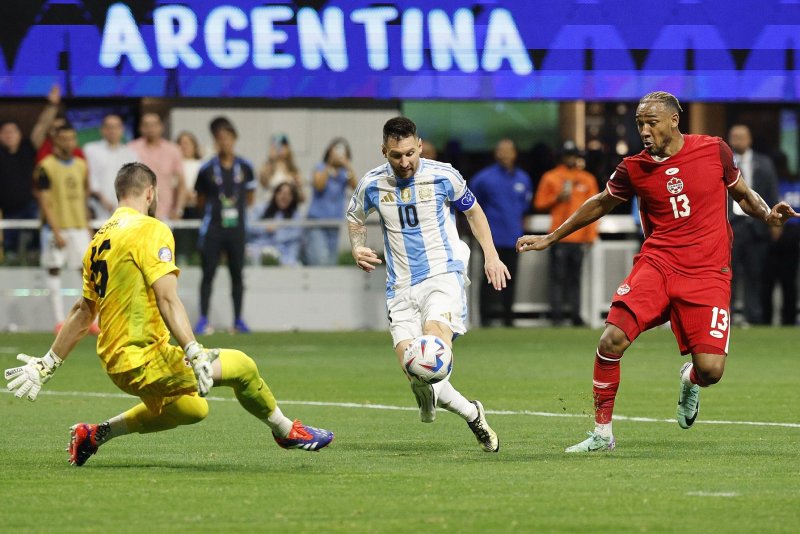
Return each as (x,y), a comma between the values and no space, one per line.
(417,218)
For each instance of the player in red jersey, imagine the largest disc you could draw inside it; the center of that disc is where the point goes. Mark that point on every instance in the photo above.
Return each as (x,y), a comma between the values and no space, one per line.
(682,273)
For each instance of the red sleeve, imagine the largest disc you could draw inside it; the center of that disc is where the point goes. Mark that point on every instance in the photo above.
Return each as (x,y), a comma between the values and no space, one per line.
(44,150)
(619,185)
(730,172)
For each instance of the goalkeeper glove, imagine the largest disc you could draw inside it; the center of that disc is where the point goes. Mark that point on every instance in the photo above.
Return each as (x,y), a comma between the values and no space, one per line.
(30,377)
(200,359)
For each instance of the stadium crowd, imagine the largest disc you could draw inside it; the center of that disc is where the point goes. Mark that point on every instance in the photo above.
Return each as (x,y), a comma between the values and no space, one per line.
(253,215)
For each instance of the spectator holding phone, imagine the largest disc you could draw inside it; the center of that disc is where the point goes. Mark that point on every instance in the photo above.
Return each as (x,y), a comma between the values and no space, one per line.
(329,183)
(279,168)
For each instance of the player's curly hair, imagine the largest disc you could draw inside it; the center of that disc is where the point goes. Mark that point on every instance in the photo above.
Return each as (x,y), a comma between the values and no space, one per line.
(132,179)
(668,99)
(399,128)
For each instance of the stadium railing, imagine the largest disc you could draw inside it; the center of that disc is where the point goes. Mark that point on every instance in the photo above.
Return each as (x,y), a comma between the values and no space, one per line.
(605,266)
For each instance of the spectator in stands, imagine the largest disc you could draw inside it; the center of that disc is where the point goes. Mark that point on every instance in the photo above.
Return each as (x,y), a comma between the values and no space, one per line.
(224,188)
(49,122)
(186,238)
(783,256)
(280,242)
(329,183)
(279,168)
(560,192)
(192,161)
(17,157)
(17,161)
(62,181)
(105,157)
(165,159)
(504,191)
(750,236)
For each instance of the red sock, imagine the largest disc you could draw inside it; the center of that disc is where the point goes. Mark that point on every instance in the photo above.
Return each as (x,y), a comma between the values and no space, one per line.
(605,385)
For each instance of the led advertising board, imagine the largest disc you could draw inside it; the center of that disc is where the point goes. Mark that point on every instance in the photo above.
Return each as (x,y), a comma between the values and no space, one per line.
(434,49)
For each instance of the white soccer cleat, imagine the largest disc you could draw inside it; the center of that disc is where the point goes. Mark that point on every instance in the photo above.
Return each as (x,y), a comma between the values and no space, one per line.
(595,442)
(426,400)
(688,402)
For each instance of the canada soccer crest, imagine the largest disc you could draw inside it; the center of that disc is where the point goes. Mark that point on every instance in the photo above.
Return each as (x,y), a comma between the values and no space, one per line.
(624,289)
(674,185)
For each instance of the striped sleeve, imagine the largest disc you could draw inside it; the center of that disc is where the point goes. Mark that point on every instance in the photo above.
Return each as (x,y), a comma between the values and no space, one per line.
(357,211)
(460,195)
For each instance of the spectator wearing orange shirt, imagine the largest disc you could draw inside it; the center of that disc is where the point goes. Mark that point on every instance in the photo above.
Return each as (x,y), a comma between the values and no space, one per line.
(561,191)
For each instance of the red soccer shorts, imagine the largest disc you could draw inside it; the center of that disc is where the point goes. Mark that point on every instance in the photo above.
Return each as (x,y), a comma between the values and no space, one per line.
(698,308)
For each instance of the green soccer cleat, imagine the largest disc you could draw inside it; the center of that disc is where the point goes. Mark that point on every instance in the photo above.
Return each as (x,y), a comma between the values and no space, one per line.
(688,402)
(595,442)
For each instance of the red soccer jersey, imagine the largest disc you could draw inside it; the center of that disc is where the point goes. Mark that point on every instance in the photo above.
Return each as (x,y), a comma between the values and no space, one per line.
(683,202)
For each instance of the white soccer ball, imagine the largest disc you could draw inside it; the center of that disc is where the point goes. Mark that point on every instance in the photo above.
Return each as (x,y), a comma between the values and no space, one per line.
(428,359)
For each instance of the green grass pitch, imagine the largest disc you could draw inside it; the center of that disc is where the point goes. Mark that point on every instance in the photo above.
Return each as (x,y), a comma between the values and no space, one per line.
(387,472)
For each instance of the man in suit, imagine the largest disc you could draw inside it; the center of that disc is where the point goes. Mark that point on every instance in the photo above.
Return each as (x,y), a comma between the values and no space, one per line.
(750,236)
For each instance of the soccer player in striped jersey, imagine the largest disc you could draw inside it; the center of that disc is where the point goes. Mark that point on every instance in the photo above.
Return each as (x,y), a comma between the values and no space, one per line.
(426,262)
(130,281)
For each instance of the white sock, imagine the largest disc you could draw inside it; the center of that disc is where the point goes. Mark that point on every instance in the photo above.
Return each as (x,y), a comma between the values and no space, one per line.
(56,302)
(451,400)
(686,374)
(279,423)
(603,429)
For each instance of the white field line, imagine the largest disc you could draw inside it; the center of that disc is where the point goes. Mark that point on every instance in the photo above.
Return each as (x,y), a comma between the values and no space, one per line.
(713,494)
(410,409)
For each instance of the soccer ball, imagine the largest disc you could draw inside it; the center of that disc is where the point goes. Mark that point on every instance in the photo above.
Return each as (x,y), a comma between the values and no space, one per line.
(428,359)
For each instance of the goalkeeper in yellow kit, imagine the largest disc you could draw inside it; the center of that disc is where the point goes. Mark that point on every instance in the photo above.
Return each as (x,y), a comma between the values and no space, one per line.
(130,279)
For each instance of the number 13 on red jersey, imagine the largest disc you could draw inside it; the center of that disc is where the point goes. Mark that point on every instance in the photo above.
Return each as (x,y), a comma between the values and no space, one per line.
(680,206)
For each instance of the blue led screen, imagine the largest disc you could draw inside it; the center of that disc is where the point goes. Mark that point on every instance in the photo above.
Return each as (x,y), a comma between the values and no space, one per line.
(436,49)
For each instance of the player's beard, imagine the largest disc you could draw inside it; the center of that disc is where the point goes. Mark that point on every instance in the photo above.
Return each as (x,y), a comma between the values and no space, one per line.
(660,148)
(402,173)
(151,209)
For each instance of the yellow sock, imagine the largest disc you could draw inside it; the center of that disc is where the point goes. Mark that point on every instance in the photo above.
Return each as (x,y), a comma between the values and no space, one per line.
(185,410)
(239,372)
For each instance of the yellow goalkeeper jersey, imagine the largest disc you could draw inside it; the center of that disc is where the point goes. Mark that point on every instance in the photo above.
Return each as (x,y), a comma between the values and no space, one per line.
(126,256)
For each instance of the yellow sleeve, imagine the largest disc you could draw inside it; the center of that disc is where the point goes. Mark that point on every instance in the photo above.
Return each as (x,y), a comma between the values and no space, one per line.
(88,279)
(155,252)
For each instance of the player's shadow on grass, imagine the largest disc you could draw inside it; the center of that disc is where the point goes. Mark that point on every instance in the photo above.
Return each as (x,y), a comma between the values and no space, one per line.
(405,447)
(209,467)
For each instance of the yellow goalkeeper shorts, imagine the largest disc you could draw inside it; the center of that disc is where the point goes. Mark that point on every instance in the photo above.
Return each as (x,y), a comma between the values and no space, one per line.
(165,376)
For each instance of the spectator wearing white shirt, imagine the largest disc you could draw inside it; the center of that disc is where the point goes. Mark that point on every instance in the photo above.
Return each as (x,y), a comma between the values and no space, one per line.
(192,161)
(105,157)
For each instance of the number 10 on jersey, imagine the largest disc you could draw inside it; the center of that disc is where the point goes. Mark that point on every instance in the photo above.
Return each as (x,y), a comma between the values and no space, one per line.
(408,216)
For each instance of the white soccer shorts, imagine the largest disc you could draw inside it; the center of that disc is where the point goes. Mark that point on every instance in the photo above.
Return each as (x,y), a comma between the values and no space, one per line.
(71,256)
(440,298)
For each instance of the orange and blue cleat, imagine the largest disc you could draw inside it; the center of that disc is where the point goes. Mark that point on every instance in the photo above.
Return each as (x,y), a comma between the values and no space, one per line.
(82,443)
(305,437)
